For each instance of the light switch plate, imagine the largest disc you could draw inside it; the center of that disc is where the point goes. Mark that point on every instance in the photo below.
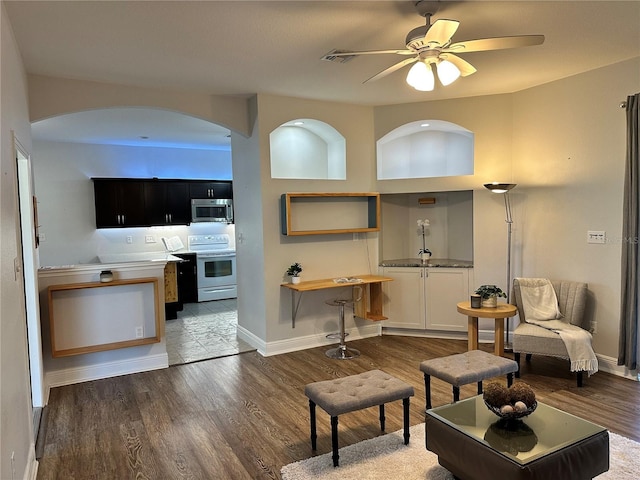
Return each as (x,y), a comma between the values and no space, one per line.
(596,236)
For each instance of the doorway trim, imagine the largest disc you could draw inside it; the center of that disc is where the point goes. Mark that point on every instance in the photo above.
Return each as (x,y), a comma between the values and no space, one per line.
(29,243)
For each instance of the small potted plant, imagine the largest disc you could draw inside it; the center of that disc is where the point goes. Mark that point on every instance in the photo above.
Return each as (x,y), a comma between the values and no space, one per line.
(490,294)
(294,272)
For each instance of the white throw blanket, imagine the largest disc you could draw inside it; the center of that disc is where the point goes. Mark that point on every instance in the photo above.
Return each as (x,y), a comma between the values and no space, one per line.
(540,306)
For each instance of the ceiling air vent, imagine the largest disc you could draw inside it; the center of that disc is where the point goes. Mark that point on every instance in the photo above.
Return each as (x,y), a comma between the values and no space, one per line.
(331,57)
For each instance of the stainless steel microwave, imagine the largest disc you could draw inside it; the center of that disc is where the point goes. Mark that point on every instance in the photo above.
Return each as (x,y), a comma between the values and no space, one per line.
(212,210)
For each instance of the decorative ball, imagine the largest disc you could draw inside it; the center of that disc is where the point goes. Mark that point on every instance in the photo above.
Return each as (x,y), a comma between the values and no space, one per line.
(496,394)
(520,406)
(521,392)
(506,409)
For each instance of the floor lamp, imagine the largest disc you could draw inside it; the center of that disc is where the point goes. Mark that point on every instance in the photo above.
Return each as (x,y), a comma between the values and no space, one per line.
(504,188)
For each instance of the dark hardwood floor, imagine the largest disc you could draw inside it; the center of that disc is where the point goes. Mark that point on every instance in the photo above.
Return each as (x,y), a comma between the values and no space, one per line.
(246,416)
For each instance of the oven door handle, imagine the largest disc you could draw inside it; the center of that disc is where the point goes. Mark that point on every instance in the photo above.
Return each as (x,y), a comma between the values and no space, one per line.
(219,257)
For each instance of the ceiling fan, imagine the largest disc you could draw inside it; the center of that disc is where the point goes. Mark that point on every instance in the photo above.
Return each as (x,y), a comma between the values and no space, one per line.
(431,44)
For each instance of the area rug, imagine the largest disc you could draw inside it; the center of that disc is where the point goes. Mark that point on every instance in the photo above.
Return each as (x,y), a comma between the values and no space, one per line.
(386,457)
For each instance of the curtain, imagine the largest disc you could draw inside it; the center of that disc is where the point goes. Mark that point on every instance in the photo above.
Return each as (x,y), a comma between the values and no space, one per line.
(629,333)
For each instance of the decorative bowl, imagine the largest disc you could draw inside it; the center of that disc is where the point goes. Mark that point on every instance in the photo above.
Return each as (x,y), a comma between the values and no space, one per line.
(512,415)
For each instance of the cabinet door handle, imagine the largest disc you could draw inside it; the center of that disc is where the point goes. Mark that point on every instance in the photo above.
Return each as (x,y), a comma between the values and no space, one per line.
(123,219)
(170,218)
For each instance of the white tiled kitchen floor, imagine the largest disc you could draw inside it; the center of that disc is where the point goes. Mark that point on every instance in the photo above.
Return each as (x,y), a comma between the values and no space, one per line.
(203,331)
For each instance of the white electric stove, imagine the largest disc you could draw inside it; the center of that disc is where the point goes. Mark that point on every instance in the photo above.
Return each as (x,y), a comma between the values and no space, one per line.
(215,266)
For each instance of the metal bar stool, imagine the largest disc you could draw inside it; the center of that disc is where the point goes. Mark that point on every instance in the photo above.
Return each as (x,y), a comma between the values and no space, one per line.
(341,352)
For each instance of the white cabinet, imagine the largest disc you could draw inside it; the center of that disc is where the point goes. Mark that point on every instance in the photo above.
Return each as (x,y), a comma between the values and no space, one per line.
(444,288)
(426,298)
(404,297)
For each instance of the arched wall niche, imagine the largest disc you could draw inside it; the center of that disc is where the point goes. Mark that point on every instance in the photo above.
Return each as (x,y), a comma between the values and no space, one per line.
(425,148)
(307,149)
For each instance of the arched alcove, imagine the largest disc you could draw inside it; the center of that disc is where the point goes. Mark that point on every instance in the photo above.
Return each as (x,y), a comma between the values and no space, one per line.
(307,149)
(425,148)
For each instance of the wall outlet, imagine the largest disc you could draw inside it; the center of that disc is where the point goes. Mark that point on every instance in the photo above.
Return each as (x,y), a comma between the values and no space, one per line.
(139,332)
(596,236)
(356,236)
(149,239)
(129,239)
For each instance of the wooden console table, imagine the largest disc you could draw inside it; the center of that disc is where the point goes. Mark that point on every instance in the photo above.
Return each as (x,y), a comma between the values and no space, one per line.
(369,306)
(95,316)
(499,313)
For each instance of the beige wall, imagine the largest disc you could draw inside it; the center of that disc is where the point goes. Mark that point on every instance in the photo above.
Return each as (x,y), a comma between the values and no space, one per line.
(16,437)
(250,258)
(50,96)
(568,150)
(322,256)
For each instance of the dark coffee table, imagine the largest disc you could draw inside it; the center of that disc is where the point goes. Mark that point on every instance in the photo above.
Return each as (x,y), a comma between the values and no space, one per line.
(473,443)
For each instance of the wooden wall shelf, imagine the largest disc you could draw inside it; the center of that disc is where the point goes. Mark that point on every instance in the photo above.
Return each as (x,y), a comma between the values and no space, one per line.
(368,307)
(329,213)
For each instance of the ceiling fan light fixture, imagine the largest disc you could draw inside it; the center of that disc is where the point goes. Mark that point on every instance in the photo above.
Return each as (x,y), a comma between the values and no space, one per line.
(421,77)
(447,72)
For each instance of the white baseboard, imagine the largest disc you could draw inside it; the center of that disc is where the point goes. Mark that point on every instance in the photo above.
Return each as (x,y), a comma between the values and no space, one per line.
(267,349)
(251,339)
(105,370)
(610,365)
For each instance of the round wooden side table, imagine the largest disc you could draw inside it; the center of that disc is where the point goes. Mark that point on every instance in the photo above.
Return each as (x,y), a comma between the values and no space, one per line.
(499,313)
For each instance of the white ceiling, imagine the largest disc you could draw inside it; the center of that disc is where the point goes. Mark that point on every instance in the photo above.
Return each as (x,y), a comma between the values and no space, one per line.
(248,47)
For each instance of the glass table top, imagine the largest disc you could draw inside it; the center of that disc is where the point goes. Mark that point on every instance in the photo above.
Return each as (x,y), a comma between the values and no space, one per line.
(545,431)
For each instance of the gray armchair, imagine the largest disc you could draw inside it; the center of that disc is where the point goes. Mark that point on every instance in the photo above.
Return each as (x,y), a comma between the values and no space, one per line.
(534,340)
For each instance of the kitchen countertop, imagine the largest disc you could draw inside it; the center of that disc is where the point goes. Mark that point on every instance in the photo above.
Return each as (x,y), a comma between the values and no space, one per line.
(138,257)
(433,262)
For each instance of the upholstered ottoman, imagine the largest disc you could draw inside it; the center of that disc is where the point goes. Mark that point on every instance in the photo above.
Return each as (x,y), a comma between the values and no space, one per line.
(352,393)
(464,368)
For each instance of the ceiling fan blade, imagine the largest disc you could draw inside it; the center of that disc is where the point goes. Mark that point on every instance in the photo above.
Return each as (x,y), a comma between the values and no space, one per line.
(347,53)
(441,31)
(465,67)
(392,69)
(496,43)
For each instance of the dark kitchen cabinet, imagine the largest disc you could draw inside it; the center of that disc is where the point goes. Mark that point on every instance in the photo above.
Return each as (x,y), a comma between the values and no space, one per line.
(119,203)
(208,189)
(167,202)
(187,278)
(146,202)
